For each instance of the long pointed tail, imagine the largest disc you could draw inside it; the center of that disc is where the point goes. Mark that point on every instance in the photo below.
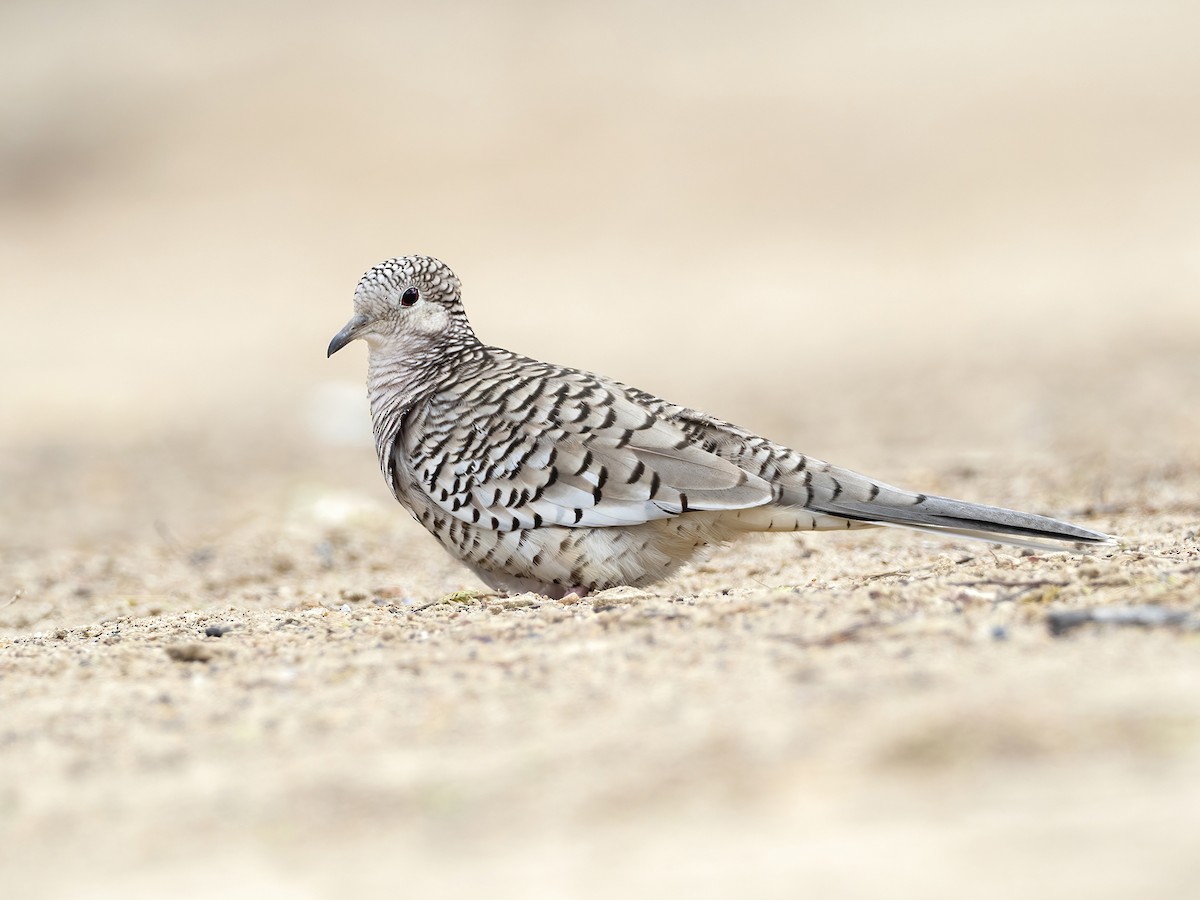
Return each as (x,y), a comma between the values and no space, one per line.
(944,514)
(830,497)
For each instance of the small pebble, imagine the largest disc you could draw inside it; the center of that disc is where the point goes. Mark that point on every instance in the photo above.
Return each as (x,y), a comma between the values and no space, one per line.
(216,630)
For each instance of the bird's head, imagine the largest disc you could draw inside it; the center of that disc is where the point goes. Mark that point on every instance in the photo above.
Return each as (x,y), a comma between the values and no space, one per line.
(405,302)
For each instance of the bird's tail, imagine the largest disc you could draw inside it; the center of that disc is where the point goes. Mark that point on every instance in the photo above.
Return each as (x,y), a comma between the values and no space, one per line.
(826,497)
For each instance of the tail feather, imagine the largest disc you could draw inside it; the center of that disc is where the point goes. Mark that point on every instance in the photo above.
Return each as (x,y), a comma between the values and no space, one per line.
(848,495)
(946,513)
(1050,544)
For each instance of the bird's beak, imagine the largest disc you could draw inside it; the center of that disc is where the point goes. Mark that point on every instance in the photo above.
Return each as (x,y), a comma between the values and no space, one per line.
(347,334)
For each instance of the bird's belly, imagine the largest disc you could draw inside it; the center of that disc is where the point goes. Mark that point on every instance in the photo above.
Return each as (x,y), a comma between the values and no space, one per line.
(553,559)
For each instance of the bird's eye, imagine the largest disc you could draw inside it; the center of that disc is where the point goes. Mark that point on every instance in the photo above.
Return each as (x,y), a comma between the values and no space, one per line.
(410,296)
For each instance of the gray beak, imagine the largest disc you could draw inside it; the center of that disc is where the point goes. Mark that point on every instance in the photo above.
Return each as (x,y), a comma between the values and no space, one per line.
(347,334)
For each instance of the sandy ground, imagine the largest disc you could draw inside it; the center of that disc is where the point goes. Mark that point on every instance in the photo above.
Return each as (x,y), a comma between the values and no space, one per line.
(954,248)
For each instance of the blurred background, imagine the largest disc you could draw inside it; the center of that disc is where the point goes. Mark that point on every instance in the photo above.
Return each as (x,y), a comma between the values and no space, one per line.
(953,244)
(711,201)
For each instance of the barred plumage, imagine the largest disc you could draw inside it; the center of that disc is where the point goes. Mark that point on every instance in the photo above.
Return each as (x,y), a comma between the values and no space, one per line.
(541,477)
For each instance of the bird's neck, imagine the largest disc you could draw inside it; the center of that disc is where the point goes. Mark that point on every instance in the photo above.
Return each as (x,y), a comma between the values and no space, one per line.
(400,377)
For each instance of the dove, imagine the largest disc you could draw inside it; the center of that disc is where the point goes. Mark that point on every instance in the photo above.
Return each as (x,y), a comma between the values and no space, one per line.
(544,478)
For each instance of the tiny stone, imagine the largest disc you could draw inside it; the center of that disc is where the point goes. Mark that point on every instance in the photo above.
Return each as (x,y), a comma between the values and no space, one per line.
(216,630)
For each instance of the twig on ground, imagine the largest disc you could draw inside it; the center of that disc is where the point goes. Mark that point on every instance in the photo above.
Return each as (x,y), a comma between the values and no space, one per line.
(1000,582)
(840,635)
(1143,616)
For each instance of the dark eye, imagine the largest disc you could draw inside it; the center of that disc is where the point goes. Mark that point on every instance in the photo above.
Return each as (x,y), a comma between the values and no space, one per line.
(410,296)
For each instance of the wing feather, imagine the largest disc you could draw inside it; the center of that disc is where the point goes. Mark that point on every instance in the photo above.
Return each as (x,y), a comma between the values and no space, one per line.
(575,450)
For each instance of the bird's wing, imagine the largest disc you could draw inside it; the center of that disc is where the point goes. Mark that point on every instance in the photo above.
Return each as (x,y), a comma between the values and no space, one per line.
(543,446)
